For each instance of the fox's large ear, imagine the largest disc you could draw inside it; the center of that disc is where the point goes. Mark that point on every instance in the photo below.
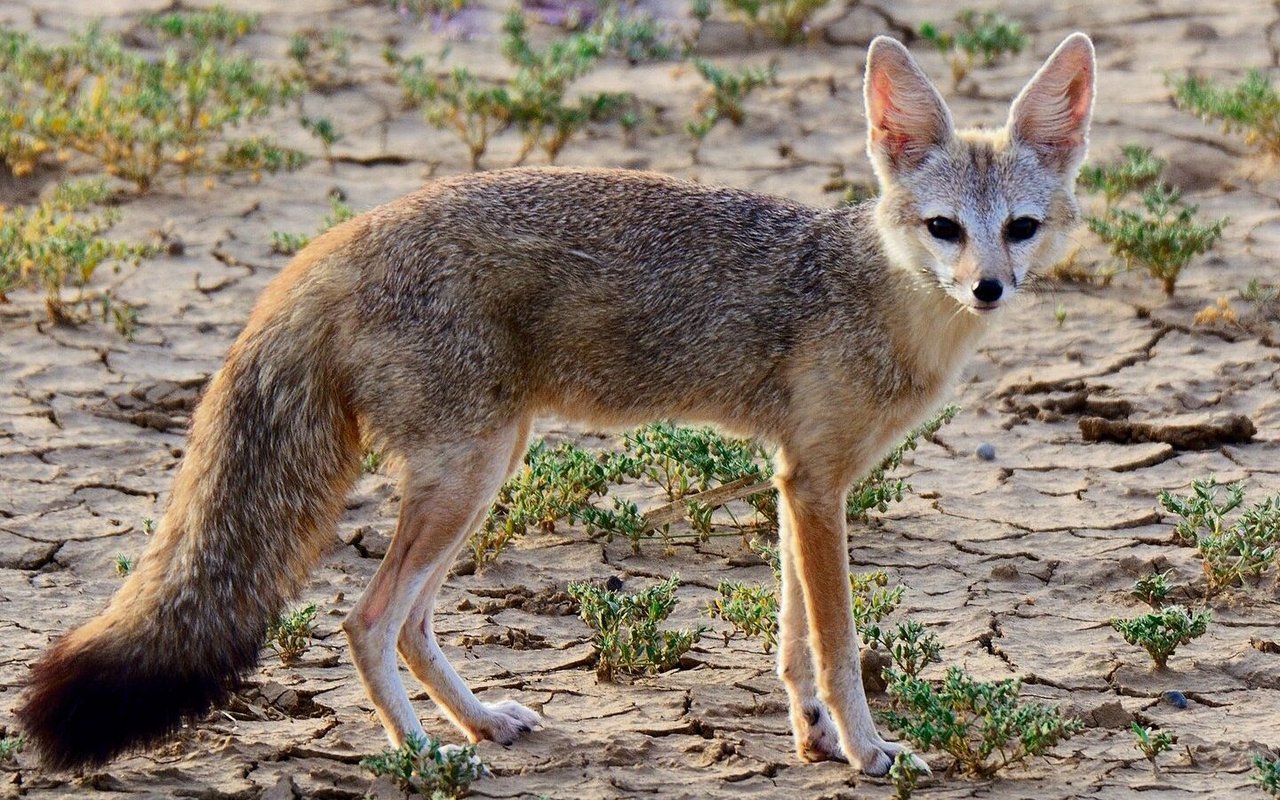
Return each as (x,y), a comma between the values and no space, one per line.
(906,117)
(1051,115)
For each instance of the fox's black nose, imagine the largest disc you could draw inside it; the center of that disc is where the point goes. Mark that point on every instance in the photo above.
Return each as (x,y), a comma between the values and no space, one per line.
(988,290)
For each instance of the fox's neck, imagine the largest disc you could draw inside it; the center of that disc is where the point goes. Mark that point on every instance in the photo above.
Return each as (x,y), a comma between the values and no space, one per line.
(934,335)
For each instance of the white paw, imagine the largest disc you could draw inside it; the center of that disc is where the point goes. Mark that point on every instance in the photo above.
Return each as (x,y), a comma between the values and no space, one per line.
(875,756)
(816,735)
(504,722)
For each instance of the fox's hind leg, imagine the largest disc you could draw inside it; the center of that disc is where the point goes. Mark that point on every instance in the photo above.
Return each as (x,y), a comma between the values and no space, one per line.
(502,722)
(445,491)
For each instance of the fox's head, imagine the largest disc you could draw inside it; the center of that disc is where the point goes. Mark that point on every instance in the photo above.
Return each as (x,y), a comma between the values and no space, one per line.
(978,209)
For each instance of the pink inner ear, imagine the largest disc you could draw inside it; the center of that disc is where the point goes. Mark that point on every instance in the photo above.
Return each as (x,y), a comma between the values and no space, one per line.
(884,131)
(1078,91)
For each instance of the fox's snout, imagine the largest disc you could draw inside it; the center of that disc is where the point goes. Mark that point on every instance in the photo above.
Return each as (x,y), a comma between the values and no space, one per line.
(987,291)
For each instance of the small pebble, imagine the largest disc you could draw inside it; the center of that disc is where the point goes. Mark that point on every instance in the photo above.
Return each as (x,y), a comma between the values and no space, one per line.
(1176,699)
(986,452)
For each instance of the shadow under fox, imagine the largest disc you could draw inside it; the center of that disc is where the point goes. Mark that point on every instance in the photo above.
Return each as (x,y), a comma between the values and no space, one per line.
(442,324)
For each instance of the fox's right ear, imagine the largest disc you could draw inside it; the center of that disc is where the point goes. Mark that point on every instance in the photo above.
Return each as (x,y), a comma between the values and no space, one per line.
(906,117)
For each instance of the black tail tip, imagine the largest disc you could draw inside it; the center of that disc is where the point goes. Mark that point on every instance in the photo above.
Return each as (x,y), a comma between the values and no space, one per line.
(84,706)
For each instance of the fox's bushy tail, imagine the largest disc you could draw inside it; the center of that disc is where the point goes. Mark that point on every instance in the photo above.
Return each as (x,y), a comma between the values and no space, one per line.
(274,448)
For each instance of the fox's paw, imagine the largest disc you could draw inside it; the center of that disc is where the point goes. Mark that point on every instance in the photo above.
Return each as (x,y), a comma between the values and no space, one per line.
(875,756)
(816,736)
(504,722)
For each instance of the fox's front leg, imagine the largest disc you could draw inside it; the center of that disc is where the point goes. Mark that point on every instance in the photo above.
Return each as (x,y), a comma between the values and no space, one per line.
(815,734)
(812,511)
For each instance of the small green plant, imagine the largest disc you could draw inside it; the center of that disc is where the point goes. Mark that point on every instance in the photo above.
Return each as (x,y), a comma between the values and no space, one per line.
(984,38)
(148,525)
(533,101)
(1152,589)
(204,27)
(427,8)
(1251,107)
(873,600)
(290,635)
(785,20)
(323,129)
(1262,296)
(371,461)
(984,726)
(877,490)
(1161,632)
(634,36)
(287,244)
(1151,743)
(429,768)
(904,774)
(684,460)
(1136,170)
(554,484)
(54,244)
(139,117)
(1162,237)
(912,648)
(752,610)
(1232,551)
(625,630)
(124,565)
(1060,314)
(10,746)
(726,91)
(323,60)
(1266,773)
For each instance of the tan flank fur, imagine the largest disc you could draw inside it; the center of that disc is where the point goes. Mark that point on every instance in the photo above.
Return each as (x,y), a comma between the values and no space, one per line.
(440,325)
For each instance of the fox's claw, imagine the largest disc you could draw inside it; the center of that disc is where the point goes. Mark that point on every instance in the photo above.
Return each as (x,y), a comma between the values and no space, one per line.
(505,722)
(816,737)
(877,757)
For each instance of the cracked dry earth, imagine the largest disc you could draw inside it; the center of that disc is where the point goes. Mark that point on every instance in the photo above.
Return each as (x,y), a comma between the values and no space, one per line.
(1016,563)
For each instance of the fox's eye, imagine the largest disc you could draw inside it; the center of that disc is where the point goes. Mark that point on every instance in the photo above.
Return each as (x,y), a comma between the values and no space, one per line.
(1022,228)
(948,230)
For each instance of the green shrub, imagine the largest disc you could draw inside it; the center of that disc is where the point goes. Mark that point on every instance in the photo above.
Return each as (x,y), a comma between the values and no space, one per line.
(1266,773)
(554,484)
(135,117)
(1152,589)
(983,726)
(287,244)
(533,101)
(10,746)
(1136,170)
(290,635)
(1151,743)
(785,20)
(726,91)
(1251,107)
(1161,237)
(625,632)
(203,28)
(1231,550)
(428,768)
(322,59)
(752,610)
(978,37)
(1161,632)
(54,244)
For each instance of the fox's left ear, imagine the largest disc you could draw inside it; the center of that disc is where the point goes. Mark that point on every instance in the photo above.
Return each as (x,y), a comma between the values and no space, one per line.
(1051,115)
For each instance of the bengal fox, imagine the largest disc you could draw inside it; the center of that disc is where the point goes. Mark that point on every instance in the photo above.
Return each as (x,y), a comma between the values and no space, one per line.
(440,325)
